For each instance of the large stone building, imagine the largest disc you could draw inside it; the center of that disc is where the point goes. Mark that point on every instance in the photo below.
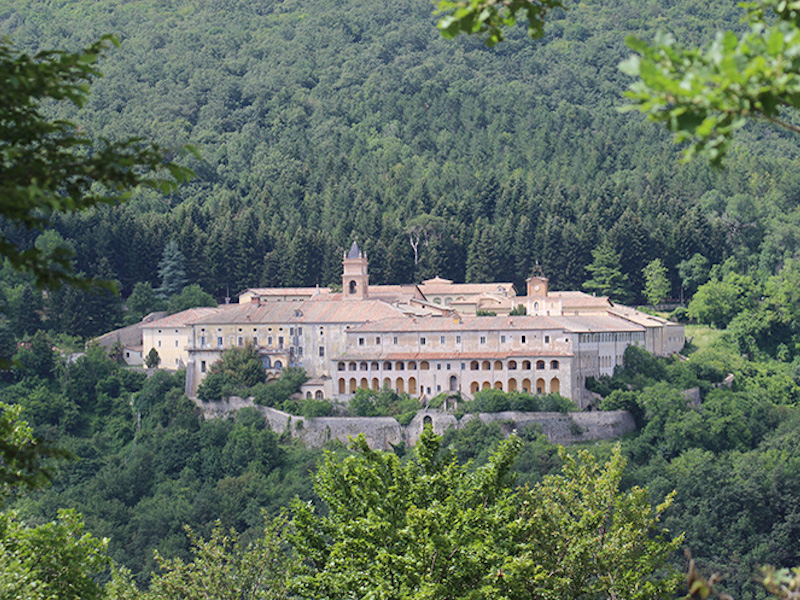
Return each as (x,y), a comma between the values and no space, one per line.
(420,339)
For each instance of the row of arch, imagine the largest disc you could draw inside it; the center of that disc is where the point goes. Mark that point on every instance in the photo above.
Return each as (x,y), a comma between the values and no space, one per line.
(524,385)
(400,385)
(475,365)
(538,386)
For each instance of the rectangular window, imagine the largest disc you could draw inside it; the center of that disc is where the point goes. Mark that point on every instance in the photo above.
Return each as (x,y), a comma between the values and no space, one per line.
(441,340)
(422,341)
(322,351)
(377,340)
(299,331)
(202,366)
(159,343)
(291,330)
(448,366)
(483,339)
(547,339)
(458,339)
(176,343)
(269,341)
(502,339)
(241,341)
(219,342)
(360,341)
(523,339)
(280,341)
(255,340)
(394,340)
(299,351)
(463,366)
(439,367)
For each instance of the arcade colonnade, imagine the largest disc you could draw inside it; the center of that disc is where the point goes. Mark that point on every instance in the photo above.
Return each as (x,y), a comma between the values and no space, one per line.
(466,375)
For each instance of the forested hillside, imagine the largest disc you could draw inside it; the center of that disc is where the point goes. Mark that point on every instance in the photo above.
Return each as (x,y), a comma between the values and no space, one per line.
(322,121)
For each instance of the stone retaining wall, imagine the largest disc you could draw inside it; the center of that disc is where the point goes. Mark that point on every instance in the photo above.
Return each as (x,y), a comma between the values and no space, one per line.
(385,432)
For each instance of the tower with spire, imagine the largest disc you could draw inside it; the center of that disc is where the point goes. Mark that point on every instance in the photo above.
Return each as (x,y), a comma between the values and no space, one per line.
(355,274)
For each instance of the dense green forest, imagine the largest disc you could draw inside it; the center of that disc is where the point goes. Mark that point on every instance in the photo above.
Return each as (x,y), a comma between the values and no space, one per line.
(145,463)
(319,122)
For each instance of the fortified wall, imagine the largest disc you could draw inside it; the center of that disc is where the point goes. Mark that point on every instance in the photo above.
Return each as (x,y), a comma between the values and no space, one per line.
(384,432)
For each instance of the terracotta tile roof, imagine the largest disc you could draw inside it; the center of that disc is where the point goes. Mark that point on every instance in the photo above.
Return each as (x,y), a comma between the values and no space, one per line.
(580,323)
(186,317)
(396,291)
(306,311)
(295,291)
(596,323)
(430,287)
(639,317)
(469,323)
(579,299)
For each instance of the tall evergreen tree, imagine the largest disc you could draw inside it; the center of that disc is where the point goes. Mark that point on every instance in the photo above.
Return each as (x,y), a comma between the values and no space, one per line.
(607,278)
(481,258)
(171,270)
(26,319)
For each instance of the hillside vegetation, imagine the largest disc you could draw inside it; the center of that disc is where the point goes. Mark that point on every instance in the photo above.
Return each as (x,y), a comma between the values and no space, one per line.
(323,121)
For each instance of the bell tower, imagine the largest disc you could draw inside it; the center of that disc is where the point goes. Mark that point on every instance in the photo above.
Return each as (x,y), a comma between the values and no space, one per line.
(355,275)
(537,291)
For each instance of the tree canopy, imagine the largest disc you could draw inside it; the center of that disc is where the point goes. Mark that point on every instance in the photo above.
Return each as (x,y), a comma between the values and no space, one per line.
(49,166)
(432,528)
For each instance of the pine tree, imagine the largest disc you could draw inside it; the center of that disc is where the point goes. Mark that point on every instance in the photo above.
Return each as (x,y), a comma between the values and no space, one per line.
(103,306)
(171,270)
(629,237)
(26,319)
(481,259)
(607,276)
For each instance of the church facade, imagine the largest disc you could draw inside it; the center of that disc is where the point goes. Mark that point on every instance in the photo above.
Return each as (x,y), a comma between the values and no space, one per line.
(420,339)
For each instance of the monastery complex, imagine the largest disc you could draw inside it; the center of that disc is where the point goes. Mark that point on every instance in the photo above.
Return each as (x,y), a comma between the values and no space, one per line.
(419,339)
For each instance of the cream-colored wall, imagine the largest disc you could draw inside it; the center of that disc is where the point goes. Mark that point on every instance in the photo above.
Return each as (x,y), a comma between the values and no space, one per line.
(171,343)
(543,305)
(435,379)
(456,341)
(361,371)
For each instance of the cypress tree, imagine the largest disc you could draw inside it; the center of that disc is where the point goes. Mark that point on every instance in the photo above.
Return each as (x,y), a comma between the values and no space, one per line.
(171,270)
